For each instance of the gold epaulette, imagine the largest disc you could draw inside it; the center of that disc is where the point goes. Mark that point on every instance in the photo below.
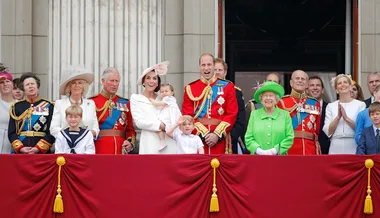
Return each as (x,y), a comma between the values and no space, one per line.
(229,81)
(313,98)
(193,82)
(122,97)
(93,96)
(290,110)
(237,88)
(51,102)
(14,103)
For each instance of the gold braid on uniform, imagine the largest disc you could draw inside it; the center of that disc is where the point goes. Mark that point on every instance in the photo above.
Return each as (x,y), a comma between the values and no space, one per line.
(20,120)
(204,93)
(106,105)
(290,110)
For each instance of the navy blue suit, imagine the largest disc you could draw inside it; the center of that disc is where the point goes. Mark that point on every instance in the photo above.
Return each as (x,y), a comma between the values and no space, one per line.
(367,142)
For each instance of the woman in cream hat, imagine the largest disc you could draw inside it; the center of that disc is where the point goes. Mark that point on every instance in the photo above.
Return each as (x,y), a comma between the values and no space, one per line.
(75,87)
(145,114)
(270,130)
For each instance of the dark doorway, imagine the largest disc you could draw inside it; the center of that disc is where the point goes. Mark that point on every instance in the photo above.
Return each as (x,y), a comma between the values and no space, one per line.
(285,35)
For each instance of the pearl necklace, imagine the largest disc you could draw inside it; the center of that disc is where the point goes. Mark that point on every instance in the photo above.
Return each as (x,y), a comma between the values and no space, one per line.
(73,102)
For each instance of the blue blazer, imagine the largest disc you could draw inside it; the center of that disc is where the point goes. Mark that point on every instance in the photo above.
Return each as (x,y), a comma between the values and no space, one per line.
(367,142)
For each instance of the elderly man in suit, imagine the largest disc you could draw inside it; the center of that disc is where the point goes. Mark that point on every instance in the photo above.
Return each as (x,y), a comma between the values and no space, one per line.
(315,90)
(373,80)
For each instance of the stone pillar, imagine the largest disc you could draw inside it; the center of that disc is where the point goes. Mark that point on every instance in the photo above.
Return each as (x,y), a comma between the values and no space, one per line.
(199,34)
(173,45)
(189,32)
(102,33)
(370,40)
(40,45)
(16,35)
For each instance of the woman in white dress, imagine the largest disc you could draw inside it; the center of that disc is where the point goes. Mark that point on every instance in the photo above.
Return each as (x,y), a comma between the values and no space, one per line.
(75,87)
(146,116)
(341,117)
(6,100)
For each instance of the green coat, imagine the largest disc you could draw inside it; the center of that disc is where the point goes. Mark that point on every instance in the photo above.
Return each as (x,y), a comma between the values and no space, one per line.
(266,132)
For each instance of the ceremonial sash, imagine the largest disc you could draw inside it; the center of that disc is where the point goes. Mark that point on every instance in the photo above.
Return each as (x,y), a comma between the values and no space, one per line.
(34,118)
(110,121)
(303,115)
(215,92)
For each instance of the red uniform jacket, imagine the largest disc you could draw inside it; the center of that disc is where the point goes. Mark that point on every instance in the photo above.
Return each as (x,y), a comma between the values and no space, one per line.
(115,123)
(214,108)
(305,113)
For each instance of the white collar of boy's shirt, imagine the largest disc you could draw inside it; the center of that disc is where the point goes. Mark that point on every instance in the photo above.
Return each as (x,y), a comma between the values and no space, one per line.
(375,128)
(180,131)
(321,103)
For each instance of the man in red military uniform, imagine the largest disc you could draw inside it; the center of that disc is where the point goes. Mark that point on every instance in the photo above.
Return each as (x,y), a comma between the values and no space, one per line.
(212,103)
(305,113)
(117,134)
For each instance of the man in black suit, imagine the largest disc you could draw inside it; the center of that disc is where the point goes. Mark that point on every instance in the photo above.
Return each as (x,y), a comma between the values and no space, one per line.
(373,80)
(315,90)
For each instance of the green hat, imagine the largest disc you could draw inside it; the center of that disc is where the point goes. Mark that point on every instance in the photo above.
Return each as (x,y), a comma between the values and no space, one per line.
(269,87)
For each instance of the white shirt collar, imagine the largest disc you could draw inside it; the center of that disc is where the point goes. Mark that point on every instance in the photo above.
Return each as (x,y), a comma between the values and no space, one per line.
(191,135)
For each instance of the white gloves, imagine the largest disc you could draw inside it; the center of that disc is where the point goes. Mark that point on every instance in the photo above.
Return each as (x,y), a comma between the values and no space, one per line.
(271,151)
(260,151)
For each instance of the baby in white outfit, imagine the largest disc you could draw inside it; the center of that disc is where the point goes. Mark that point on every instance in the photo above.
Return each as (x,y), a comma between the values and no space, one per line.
(169,113)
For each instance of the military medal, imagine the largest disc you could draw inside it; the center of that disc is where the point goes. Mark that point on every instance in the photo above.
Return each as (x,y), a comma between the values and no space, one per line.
(312,118)
(309,125)
(221,100)
(300,108)
(42,119)
(122,119)
(37,127)
(220,111)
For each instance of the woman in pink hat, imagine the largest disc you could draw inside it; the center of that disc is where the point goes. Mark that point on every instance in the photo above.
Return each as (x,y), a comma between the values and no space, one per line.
(6,100)
(75,87)
(146,115)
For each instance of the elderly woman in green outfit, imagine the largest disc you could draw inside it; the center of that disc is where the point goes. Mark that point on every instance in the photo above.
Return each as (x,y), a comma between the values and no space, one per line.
(270,130)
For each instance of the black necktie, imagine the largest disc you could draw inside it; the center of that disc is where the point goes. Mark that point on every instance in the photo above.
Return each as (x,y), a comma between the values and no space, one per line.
(377,140)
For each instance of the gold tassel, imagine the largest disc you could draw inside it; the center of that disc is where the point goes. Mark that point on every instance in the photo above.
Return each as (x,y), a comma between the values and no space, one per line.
(368,207)
(214,203)
(58,202)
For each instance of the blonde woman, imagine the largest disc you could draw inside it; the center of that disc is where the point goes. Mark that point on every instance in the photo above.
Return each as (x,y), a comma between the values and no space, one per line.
(75,87)
(341,116)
